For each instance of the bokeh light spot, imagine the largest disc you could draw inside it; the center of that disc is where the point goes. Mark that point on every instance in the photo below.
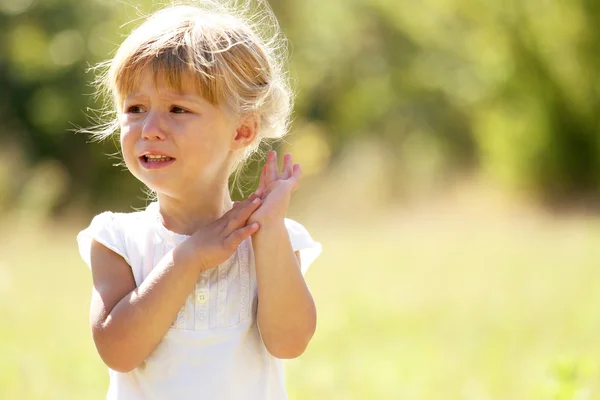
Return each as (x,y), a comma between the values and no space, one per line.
(310,148)
(49,110)
(67,47)
(15,7)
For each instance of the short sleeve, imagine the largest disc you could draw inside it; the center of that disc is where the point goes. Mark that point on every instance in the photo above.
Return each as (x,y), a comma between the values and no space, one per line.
(304,243)
(105,230)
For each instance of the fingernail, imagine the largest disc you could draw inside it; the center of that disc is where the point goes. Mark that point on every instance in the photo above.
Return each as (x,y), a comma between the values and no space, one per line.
(256,201)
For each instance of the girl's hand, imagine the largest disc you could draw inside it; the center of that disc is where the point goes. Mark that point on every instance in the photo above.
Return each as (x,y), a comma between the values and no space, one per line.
(217,241)
(276,189)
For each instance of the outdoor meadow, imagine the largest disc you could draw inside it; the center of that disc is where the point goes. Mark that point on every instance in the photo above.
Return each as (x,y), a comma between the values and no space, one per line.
(451,158)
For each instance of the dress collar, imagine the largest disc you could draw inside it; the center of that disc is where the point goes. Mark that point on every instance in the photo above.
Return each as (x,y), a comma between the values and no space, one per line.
(163,233)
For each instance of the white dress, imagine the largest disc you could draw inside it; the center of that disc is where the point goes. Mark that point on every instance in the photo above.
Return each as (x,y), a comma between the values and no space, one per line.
(213,349)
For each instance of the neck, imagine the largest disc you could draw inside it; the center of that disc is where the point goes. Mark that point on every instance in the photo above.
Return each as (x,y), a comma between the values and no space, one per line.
(199,207)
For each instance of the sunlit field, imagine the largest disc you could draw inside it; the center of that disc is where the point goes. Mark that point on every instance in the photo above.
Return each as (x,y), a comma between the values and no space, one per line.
(437,303)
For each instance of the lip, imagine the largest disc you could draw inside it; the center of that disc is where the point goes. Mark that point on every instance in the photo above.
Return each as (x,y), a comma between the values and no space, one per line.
(155,153)
(155,164)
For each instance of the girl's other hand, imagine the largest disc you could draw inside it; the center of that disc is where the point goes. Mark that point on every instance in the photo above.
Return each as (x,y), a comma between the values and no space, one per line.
(217,241)
(276,188)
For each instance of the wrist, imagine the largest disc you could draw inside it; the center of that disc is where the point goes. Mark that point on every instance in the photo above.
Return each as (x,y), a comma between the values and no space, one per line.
(270,232)
(268,221)
(190,252)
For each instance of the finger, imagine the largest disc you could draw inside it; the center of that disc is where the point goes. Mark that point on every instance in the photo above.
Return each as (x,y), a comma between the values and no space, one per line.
(245,203)
(237,205)
(240,218)
(259,193)
(233,240)
(286,171)
(271,168)
(263,177)
(296,175)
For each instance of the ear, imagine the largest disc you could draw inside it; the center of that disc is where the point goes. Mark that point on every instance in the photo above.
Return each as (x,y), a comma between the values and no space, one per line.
(246,132)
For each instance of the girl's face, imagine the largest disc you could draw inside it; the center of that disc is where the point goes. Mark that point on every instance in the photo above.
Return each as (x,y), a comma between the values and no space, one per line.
(174,141)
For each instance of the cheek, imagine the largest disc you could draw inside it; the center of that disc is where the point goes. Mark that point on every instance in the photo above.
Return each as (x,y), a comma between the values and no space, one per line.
(127,141)
(209,148)
(126,134)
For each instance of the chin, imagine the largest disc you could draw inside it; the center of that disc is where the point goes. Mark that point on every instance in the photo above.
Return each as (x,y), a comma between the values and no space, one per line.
(158,185)
(166,190)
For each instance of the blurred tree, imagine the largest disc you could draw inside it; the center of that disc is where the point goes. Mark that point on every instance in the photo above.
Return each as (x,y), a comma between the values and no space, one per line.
(445,86)
(43,57)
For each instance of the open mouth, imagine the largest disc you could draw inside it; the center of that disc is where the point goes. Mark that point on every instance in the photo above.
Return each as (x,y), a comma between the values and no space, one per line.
(151,158)
(155,161)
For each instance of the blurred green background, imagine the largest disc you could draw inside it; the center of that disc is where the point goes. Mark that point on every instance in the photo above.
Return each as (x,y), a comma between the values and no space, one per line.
(451,157)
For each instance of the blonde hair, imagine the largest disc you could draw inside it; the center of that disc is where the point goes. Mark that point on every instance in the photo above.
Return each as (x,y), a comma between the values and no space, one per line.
(235,54)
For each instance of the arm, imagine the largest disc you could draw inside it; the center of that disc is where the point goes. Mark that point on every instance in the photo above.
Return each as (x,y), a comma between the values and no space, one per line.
(127,321)
(286,311)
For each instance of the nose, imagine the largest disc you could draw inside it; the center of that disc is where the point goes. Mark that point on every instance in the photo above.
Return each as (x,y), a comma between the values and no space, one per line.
(152,128)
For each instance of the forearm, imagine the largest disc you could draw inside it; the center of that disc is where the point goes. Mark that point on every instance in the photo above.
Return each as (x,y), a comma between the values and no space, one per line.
(138,322)
(286,310)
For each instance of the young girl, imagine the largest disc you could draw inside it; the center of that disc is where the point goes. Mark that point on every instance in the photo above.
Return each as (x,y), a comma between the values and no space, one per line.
(196,297)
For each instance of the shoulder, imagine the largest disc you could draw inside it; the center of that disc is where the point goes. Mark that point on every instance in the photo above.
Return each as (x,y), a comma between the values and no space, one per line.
(119,224)
(298,234)
(303,242)
(115,230)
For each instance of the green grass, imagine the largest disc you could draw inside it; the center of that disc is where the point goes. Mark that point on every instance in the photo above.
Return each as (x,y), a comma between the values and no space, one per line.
(426,306)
